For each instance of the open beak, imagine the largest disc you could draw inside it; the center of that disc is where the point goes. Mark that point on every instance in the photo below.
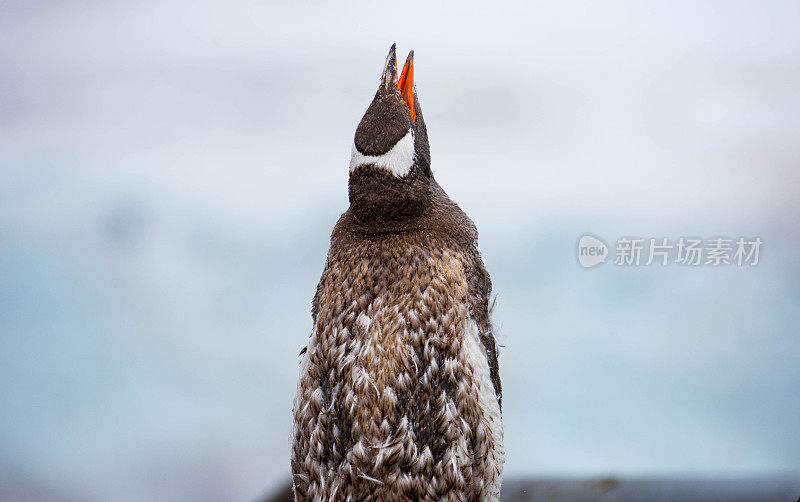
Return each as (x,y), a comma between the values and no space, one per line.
(406,80)
(406,84)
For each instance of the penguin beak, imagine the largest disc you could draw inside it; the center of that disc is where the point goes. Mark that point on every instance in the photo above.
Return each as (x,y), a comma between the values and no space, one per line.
(406,81)
(406,84)
(389,69)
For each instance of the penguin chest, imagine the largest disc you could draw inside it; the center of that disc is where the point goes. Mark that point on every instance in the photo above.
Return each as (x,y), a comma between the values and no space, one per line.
(395,392)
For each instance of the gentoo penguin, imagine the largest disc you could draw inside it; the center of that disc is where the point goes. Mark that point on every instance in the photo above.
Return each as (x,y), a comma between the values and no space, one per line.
(399,392)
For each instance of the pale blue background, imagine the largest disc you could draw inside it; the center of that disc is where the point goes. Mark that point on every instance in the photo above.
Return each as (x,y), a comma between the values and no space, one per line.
(170,173)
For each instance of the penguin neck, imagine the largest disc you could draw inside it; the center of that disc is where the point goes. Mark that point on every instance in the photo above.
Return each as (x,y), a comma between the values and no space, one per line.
(383,202)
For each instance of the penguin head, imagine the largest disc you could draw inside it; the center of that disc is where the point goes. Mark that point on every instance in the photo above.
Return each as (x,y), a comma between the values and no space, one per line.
(390,175)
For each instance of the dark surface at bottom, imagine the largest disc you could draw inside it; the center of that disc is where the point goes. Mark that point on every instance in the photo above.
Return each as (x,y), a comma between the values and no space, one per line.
(766,489)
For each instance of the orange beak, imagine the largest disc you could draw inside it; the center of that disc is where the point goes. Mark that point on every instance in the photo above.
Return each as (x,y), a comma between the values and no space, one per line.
(406,84)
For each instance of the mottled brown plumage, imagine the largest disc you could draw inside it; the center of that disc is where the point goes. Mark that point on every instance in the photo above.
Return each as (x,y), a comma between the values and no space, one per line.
(399,390)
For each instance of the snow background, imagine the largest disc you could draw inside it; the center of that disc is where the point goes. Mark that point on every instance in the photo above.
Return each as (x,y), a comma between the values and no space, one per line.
(170,173)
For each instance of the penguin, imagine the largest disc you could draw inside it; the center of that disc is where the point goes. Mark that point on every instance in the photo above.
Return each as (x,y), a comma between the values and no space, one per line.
(399,395)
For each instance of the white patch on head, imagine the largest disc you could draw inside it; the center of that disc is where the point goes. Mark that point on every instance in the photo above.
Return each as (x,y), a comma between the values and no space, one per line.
(398,160)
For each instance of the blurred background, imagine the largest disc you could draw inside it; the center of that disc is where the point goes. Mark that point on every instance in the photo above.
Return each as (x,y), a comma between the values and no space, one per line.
(170,173)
